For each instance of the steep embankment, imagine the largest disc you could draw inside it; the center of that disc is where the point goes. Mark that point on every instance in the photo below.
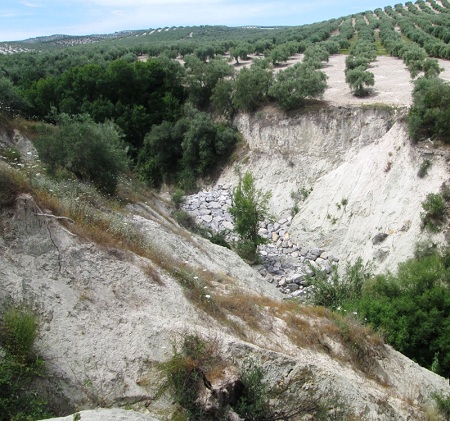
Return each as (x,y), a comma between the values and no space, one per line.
(362,169)
(108,316)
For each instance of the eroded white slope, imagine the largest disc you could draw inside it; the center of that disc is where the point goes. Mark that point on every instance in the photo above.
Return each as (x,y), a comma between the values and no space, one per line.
(361,156)
(375,192)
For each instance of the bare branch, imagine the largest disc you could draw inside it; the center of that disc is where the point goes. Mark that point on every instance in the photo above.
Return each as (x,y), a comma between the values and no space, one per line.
(55,217)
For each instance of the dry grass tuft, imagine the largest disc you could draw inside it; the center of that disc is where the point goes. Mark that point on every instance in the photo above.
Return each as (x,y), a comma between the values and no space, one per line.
(243,307)
(152,274)
(311,327)
(12,183)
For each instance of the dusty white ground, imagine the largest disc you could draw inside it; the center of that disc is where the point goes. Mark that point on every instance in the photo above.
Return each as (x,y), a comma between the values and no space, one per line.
(393,84)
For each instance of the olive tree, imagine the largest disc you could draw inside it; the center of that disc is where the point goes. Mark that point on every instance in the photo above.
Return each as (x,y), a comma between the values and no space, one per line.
(252,86)
(359,80)
(92,151)
(297,83)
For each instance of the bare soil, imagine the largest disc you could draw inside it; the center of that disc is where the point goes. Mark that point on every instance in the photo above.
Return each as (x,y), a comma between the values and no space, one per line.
(393,83)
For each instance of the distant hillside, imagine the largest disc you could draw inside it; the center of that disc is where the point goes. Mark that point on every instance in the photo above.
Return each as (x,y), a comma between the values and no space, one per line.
(423,23)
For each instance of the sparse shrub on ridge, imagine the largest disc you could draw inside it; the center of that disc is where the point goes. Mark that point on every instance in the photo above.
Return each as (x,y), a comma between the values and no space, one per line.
(186,372)
(435,212)
(443,404)
(424,167)
(253,404)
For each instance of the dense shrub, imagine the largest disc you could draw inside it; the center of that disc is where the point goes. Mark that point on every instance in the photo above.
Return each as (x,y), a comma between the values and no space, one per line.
(133,95)
(435,212)
(11,99)
(334,291)
(182,152)
(93,152)
(429,115)
(411,309)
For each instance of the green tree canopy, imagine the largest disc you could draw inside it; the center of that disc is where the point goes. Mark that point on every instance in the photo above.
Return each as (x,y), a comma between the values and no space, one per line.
(249,208)
(297,83)
(134,95)
(252,86)
(429,115)
(359,80)
(201,78)
(94,152)
(182,152)
(279,54)
(11,99)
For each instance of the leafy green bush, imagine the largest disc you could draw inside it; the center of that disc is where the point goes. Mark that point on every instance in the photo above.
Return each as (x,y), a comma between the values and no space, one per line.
(19,332)
(246,249)
(93,152)
(188,222)
(443,404)
(19,367)
(185,373)
(10,154)
(249,208)
(412,309)
(185,220)
(11,184)
(429,115)
(219,238)
(253,403)
(435,212)
(178,198)
(334,291)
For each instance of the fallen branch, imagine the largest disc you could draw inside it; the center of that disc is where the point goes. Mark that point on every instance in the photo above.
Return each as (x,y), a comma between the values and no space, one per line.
(55,217)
